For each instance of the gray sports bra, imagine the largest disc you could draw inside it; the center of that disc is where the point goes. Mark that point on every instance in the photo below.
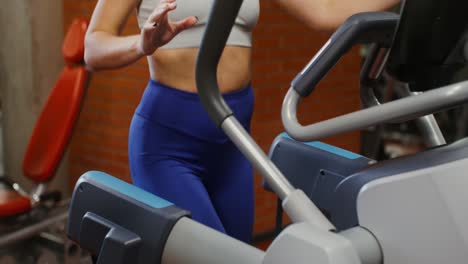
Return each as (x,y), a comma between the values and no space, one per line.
(241,34)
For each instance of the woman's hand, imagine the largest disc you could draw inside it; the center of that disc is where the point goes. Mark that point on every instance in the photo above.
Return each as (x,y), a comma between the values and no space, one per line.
(159,30)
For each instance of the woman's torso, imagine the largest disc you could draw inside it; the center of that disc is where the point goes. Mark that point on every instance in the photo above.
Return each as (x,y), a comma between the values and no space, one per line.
(175,66)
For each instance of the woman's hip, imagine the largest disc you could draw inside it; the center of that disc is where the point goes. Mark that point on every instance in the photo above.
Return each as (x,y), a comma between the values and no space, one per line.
(183,112)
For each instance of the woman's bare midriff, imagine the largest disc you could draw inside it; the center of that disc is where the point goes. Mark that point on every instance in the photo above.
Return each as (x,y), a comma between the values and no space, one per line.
(176,68)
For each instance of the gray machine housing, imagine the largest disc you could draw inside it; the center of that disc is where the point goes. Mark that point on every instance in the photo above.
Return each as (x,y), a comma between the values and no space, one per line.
(111,219)
(334,178)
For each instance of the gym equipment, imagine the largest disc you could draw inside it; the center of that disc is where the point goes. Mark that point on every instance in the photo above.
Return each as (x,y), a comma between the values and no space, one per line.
(423,69)
(420,63)
(27,214)
(408,210)
(428,49)
(344,198)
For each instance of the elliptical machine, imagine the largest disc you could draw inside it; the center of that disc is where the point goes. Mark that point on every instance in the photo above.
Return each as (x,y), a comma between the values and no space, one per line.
(429,51)
(421,57)
(406,210)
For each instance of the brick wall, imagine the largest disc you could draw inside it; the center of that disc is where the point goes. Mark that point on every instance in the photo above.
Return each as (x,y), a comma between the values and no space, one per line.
(282,46)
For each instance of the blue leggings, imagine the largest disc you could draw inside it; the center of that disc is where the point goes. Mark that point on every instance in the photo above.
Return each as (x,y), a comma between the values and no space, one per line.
(177,153)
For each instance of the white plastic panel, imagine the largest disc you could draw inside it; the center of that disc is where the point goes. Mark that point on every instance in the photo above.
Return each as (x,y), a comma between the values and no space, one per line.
(304,243)
(420,217)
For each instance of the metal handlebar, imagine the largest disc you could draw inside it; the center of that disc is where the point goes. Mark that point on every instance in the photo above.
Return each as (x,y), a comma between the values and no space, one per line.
(222,17)
(362,28)
(407,108)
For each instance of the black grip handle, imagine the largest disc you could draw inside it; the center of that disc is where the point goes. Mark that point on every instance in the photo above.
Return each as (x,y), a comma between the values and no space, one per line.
(370,27)
(222,17)
(109,241)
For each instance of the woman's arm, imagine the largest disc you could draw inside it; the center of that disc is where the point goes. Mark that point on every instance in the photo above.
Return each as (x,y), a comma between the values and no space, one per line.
(106,49)
(329,14)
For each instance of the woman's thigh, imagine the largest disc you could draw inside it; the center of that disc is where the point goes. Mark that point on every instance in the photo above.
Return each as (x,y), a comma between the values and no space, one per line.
(230,185)
(173,179)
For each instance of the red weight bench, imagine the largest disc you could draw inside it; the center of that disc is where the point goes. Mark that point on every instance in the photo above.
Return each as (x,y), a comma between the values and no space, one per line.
(53,128)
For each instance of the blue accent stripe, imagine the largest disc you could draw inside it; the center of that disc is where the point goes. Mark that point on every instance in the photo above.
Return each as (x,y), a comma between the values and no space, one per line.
(329,148)
(127,189)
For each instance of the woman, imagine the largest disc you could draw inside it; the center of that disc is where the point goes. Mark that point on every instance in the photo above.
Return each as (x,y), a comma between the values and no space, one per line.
(174,149)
